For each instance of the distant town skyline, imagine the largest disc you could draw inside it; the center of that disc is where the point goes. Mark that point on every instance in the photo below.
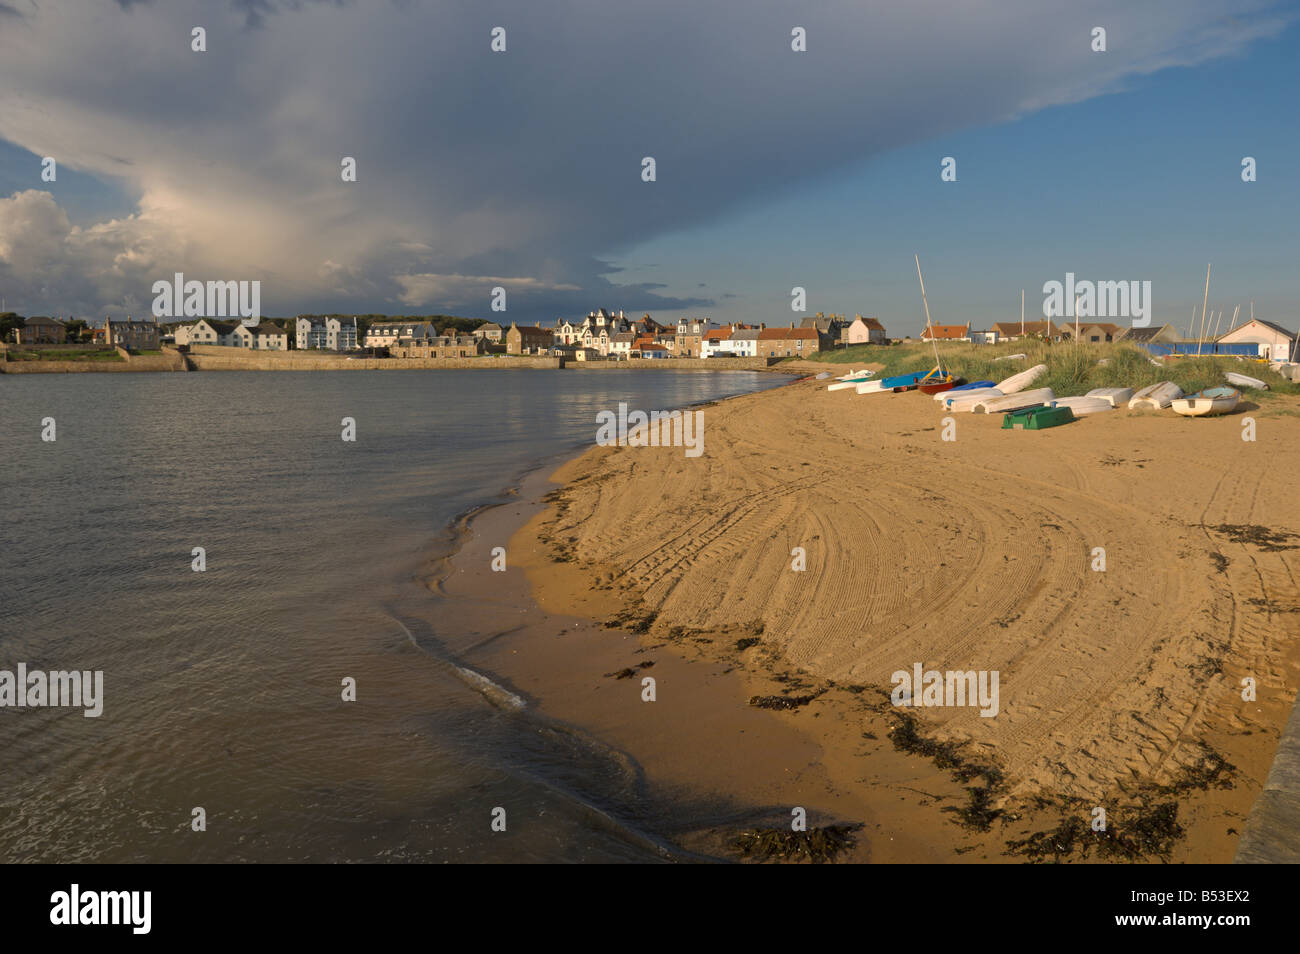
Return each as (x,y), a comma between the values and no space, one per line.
(775,169)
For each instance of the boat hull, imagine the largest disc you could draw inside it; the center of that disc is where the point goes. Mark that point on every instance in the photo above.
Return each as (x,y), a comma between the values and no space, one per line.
(1013,402)
(1207,403)
(1018,382)
(1081,406)
(938,387)
(1155,396)
(1037,418)
(1113,396)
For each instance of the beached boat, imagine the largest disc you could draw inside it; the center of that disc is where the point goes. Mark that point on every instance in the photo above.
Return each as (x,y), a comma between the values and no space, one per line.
(852,381)
(1018,382)
(971,386)
(1245,381)
(1081,406)
(1037,418)
(1115,396)
(1155,396)
(946,383)
(864,373)
(1206,403)
(905,381)
(965,400)
(873,387)
(1011,357)
(1012,402)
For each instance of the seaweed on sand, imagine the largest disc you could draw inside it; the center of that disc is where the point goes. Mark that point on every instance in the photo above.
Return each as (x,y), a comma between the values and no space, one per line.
(781,702)
(817,845)
(978,812)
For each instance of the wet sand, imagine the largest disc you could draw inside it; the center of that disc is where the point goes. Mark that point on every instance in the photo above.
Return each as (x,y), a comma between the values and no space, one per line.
(1119,689)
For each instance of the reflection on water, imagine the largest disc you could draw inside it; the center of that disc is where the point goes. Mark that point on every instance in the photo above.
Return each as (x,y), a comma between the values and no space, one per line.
(223,688)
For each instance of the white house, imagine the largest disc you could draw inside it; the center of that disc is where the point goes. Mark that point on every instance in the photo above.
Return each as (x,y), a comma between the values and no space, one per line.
(326,334)
(207,331)
(271,337)
(1275,342)
(863,331)
(385,334)
(620,346)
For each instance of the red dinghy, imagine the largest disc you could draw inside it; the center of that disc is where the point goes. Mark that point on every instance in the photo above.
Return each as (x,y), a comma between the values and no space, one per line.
(946,383)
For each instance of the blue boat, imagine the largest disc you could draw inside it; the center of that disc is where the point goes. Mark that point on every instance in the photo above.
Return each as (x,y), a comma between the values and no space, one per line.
(971,386)
(905,380)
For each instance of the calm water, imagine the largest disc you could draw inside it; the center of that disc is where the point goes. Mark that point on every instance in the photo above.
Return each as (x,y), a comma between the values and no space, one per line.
(222,688)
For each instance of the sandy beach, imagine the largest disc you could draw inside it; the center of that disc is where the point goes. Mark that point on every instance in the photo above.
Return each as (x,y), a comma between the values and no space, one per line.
(1119,688)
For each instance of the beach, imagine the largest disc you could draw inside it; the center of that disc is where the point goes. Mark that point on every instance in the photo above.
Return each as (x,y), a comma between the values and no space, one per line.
(1121,687)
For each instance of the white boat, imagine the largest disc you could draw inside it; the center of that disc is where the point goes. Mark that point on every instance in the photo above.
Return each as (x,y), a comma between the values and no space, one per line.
(855,375)
(1116,396)
(1018,382)
(1244,381)
(873,387)
(1206,403)
(1083,405)
(823,376)
(1155,396)
(1013,402)
(845,385)
(965,400)
(1011,357)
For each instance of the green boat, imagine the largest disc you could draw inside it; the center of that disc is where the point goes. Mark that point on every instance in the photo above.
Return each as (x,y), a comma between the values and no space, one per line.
(1037,418)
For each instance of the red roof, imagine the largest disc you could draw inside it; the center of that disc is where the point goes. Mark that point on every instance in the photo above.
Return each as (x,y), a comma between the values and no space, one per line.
(940,332)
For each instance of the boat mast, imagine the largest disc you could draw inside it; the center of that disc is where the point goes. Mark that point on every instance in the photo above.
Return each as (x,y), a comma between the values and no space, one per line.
(937,363)
(1022,312)
(1204,302)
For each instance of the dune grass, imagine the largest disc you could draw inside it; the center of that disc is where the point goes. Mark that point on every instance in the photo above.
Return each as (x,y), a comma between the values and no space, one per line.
(1072,369)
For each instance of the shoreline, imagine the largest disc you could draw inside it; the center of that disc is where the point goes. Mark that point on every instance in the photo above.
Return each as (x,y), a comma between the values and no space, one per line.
(713,683)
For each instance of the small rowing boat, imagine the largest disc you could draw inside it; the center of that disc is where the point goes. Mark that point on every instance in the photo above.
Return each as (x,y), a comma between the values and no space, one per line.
(1081,406)
(972,386)
(873,387)
(843,384)
(1113,396)
(965,400)
(1207,403)
(1245,381)
(904,382)
(1018,382)
(946,383)
(1012,402)
(1155,396)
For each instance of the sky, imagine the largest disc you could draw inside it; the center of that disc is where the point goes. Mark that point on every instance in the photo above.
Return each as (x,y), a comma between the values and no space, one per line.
(774,168)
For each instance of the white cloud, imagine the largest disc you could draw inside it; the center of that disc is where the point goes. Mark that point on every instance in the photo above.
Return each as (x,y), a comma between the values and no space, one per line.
(525,163)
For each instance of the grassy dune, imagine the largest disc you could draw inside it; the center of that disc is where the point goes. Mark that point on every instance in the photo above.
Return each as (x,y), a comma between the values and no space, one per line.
(1071,369)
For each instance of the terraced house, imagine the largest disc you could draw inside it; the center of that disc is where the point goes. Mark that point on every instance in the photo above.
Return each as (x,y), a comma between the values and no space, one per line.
(132,335)
(788,342)
(385,334)
(690,333)
(528,339)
